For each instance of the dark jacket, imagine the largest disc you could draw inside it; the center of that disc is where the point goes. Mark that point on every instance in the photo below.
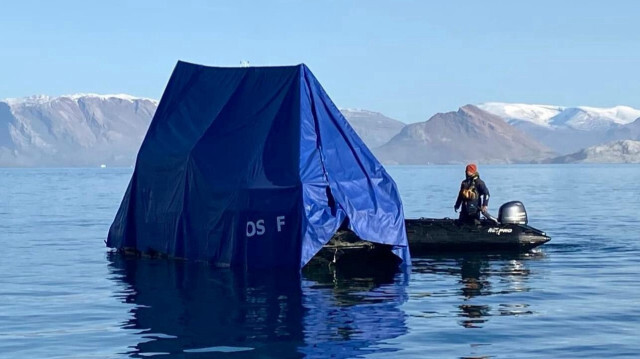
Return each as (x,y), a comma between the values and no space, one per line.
(471,203)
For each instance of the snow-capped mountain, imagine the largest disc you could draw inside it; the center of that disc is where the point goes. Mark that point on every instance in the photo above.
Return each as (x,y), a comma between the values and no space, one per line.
(593,118)
(568,129)
(73,130)
(540,115)
(43,99)
(579,118)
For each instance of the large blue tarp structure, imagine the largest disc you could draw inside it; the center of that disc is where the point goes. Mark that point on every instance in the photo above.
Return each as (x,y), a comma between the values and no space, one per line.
(253,167)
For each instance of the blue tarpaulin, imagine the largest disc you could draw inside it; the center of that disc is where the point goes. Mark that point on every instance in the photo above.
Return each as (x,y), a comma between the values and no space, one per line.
(253,167)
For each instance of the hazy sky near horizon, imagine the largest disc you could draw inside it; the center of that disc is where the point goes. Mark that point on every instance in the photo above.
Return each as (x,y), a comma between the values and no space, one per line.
(406,58)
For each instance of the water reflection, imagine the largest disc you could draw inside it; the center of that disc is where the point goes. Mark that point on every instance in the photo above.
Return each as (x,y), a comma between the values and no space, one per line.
(482,275)
(184,309)
(353,312)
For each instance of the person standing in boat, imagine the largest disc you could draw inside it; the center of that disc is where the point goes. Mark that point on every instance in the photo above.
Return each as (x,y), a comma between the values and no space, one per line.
(473,196)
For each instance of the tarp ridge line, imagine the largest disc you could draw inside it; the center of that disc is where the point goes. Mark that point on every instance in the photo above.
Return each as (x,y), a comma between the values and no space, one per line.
(316,126)
(284,84)
(204,133)
(340,127)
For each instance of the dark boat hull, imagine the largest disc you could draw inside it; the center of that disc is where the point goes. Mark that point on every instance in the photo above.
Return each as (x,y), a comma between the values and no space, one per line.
(427,235)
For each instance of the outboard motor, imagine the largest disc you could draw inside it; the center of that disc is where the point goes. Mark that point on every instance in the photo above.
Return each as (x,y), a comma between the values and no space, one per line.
(513,212)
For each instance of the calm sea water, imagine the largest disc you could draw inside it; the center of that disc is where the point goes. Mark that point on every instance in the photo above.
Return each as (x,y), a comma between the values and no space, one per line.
(62,295)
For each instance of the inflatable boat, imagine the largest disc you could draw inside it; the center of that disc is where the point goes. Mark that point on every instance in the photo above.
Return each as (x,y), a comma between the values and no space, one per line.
(509,232)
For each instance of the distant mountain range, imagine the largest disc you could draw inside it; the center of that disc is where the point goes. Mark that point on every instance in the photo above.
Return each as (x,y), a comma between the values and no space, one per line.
(578,118)
(626,151)
(374,128)
(469,134)
(90,130)
(569,129)
(77,130)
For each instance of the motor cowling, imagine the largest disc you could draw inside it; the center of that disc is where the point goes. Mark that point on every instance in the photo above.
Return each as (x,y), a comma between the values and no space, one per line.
(513,212)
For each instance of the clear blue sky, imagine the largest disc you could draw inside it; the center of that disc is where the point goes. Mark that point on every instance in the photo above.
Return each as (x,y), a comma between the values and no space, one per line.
(406,59)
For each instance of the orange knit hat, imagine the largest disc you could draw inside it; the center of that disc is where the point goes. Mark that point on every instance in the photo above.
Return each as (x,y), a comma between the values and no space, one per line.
(471,168)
